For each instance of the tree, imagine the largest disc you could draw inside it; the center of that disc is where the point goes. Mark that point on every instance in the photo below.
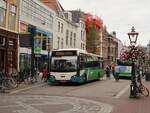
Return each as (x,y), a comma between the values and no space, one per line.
(92,38)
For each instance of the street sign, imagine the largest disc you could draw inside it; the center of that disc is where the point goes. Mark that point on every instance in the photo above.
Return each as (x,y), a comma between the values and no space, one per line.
(37,50)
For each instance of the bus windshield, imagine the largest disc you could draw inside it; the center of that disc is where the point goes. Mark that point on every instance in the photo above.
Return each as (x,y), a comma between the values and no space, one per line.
(64,64)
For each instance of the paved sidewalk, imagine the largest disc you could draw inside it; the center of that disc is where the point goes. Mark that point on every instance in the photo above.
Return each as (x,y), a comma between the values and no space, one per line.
(128,105)
(23,87)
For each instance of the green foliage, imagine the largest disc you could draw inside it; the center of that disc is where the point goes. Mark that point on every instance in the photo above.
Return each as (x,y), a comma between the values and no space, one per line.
(92,37)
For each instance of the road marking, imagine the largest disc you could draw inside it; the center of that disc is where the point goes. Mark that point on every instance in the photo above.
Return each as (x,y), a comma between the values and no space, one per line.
(122,92)
(27,88)
(27,108)
(30,104)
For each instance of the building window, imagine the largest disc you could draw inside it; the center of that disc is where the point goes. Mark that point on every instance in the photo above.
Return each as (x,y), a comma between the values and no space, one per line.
(81,35)
(71,39)
(109,50)
(37,13)
(58,26)
(2,13)
(67,36)
(44,40)
(62,28)
(62,44)
(12,17)
(83,47)
(58,40)
(74,40)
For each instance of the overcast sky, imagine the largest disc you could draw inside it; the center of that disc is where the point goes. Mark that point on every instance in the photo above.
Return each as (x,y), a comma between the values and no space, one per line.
(118,15)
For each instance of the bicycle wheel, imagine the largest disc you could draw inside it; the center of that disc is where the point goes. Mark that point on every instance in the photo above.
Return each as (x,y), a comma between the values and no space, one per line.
(12,83)
(144,91)
(5,85)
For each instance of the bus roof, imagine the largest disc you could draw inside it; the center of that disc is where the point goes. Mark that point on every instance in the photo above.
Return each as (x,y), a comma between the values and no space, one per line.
(71,49)
(78,50)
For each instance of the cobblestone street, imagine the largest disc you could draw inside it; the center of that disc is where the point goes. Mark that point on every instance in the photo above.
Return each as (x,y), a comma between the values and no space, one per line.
(50,104)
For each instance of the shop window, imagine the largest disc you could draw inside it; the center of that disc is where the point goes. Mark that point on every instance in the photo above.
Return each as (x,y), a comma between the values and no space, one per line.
(12,17)
(25,60)
(11,43)
(2,41)
(44,41)
(44,45)
(2,13)
(10,58)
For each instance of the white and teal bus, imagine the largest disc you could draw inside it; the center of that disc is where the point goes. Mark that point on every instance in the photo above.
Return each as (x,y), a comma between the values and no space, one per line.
(74,65)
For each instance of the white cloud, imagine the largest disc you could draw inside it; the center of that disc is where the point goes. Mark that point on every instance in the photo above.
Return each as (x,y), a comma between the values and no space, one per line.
(118,15)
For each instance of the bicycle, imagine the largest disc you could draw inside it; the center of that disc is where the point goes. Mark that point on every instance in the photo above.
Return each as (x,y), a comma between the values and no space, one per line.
(140,88)
(7,82)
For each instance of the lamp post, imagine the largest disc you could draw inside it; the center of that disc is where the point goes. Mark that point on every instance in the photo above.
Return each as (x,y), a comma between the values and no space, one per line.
(133,38)
(148,50)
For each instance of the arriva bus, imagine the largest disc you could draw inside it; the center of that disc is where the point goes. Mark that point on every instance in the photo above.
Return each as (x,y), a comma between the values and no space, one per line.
(74,65)
(124,69)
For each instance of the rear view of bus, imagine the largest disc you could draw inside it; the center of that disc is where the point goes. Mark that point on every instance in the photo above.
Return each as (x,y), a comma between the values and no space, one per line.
(63,65)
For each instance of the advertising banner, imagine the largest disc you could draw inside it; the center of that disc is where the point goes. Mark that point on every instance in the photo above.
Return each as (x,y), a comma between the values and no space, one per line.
(123,69)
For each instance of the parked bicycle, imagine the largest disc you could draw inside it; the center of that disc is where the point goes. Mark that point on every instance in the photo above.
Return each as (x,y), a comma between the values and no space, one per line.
(140,88)
(26,77)
(7,82)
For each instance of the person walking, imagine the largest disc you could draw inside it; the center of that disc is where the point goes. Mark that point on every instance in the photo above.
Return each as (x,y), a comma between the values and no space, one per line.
(115,75)
(45,74)
(108,71)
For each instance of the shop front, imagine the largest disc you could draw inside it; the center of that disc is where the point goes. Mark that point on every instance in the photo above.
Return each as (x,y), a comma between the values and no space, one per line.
(8,51)
(41,40)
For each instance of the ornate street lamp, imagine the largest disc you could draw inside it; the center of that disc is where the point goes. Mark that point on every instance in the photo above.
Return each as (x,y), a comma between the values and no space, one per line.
(133,38)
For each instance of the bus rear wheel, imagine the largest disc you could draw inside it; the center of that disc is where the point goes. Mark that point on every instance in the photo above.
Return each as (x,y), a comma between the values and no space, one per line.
(85,78)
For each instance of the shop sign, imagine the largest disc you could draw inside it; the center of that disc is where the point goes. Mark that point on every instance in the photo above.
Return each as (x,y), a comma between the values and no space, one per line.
(37,50)
(23,28)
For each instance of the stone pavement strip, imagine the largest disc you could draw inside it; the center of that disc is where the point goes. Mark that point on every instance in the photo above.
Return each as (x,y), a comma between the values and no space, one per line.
(50,104)
(26,87)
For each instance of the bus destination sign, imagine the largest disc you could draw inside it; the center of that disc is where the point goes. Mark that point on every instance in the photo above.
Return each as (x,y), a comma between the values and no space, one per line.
(64,53)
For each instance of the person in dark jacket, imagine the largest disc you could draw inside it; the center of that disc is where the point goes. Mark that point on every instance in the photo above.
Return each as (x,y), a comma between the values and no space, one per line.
(108,71)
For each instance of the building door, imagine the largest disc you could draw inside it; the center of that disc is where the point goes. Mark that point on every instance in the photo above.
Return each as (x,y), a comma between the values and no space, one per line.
(2,60)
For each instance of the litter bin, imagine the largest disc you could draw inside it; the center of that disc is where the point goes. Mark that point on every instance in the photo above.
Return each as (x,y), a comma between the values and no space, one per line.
(147,76)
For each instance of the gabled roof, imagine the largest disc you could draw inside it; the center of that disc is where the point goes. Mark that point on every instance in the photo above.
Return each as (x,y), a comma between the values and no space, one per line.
(54,5)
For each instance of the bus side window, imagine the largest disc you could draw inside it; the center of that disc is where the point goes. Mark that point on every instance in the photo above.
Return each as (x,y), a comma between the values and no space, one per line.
(82,61)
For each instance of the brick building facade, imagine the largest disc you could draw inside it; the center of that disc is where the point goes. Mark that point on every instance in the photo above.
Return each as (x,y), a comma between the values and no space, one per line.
(9,18)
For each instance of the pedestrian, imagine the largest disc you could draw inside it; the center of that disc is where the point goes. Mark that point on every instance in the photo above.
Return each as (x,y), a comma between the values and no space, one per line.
(45,74)
(115,75)
(108,71)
